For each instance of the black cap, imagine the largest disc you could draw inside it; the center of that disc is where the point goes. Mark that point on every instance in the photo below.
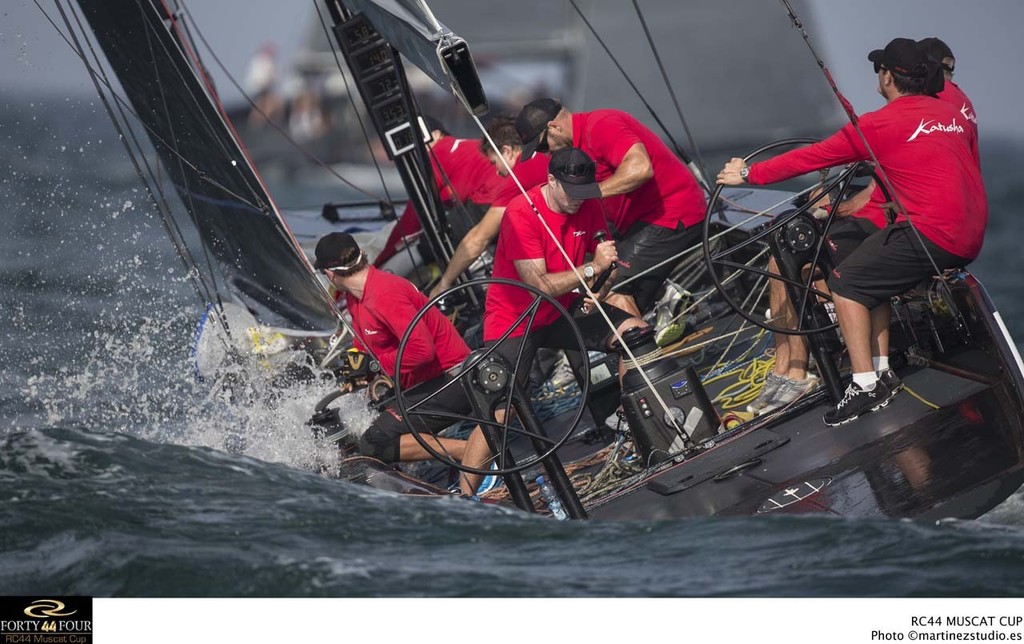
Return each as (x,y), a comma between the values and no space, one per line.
(903,56)
(432,123)
(336,249)
(532,125)
(576,171)
(936,48)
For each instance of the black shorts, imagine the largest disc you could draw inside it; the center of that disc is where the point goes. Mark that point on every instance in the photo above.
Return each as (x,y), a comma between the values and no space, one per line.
(889,262)
(644,245)
(381,439)
(846,234)
(559,335)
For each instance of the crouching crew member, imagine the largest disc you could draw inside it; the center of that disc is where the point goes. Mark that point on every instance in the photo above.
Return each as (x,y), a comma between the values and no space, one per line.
(382,306)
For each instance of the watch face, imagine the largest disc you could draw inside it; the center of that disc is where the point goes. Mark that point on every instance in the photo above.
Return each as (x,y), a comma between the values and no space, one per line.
(588,272)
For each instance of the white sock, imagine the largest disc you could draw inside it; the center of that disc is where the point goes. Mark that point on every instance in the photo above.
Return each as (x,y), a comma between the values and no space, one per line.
(881,363)
(866,381)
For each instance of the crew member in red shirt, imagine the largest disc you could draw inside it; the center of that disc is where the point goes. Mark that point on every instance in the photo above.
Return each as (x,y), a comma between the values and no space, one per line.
(951,92)
(568,204)
(923,147)
(463,177)
(658,205)
(530,172)
(382,306)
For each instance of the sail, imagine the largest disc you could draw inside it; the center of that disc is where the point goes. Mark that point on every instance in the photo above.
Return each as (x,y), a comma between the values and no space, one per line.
(251,256)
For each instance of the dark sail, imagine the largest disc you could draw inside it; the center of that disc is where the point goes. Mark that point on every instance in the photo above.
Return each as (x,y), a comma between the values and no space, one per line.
(224,200)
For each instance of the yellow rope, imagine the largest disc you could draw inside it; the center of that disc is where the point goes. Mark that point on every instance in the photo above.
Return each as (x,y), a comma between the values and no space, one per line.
(748,384)
(918,396)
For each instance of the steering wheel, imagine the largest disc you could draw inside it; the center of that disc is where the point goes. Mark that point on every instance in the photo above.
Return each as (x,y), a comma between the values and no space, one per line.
(492,378)
(794,229)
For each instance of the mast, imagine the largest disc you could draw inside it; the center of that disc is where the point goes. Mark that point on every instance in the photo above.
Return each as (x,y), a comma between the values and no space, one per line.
(380,77)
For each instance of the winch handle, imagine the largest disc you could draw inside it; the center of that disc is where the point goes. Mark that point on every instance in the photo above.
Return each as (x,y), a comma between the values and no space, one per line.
(600,236)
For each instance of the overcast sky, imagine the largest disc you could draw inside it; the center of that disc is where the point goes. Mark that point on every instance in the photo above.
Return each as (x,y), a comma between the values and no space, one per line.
(984,35)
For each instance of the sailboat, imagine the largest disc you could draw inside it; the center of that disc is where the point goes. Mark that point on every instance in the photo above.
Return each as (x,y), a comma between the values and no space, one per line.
(952,446)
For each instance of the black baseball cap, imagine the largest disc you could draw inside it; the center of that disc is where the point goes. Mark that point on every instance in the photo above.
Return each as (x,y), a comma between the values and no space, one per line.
(903,56)
(532,125)
(433,123)
(937,49)
(576,171)
(336,249)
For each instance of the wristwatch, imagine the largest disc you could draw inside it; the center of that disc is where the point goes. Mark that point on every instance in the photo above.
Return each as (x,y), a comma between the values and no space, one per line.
(744,172)
(589,271)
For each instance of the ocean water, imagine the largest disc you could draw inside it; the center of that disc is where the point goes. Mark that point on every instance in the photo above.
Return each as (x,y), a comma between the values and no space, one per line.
(120,475)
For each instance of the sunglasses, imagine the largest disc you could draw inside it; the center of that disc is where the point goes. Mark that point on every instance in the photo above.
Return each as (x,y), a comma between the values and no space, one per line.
(879,67)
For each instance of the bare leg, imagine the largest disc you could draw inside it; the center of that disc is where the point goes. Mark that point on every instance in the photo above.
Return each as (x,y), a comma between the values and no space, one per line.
(855,322)
(477,454)
(410,450)
(880,316)
(790,350)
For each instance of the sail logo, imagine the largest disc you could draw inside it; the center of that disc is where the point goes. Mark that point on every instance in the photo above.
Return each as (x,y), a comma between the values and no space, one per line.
(370,331)
(969,114)
(927,127)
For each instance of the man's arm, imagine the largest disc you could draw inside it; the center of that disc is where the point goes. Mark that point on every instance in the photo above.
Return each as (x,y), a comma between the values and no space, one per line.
(470,248)
(535,272)
(632,172)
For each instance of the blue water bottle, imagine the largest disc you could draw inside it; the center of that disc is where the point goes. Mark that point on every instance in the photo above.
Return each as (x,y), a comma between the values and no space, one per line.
(549,496)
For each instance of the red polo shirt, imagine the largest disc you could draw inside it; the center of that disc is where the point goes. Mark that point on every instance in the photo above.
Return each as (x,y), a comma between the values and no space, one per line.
(532,172)
(952,94)
(924,146)
(381,317)
(671,196)
(523,236)
(470,173)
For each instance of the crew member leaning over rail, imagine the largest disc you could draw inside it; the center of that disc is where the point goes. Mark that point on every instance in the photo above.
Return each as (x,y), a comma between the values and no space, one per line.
(923,146)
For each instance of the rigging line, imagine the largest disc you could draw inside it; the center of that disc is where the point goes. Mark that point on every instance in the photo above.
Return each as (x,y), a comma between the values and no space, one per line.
(679,150)
(855,122)
(202,289)
(284,133)
(229,147)
(348,91)
(128,108)
(98,75)
(191,208)
(579,277)
(162,207)
(703,171)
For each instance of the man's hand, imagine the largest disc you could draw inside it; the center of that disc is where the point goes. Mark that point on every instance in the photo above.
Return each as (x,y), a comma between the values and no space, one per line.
(605,254)
(439,288)
(730,174)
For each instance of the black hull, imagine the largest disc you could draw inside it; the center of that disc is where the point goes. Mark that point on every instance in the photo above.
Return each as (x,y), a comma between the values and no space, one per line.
(908,460)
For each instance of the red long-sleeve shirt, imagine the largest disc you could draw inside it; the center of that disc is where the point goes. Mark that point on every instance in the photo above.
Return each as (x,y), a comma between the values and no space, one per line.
(381,317)
(924,146)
